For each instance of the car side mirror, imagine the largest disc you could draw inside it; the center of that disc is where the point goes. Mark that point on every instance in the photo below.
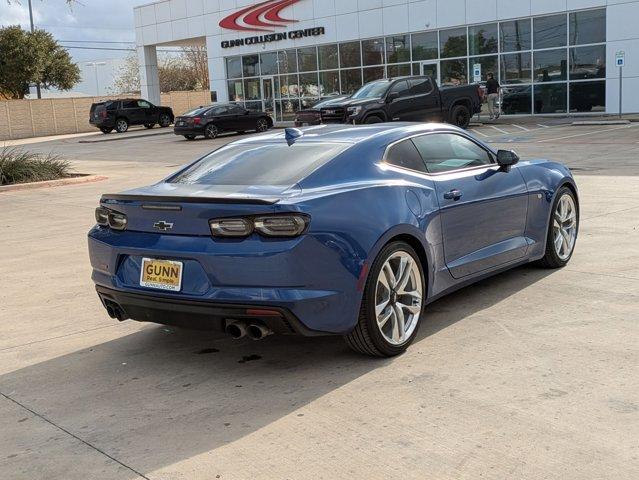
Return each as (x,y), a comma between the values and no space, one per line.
(506,159)
(392,96)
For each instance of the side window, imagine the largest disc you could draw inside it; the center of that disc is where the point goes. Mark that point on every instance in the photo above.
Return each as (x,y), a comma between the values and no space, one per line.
(443,152)
(143,104)
(112,106)
(401,88)
(129,104)
(219,111)
(235,110)
(420,86)
(405,155)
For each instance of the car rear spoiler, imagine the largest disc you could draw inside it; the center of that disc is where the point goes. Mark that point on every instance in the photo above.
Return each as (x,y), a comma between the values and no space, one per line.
(175,199)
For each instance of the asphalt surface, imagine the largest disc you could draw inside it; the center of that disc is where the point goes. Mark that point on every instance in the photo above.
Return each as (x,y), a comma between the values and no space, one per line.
(532,374)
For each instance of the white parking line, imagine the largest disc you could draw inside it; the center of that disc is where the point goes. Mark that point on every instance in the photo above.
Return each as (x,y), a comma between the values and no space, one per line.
(542,125)
(499,129)
(522,128)
(583,134)
(478,132)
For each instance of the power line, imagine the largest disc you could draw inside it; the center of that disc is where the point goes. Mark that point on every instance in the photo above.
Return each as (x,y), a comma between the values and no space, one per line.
(93,41)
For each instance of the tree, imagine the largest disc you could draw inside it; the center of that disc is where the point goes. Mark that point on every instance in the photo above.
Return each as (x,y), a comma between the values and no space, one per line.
(186,71)
(27,58)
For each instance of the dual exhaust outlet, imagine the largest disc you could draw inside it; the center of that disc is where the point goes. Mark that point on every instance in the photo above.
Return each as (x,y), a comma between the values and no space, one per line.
(239,329)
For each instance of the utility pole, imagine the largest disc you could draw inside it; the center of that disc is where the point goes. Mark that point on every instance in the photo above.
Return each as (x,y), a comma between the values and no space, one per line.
(32,30)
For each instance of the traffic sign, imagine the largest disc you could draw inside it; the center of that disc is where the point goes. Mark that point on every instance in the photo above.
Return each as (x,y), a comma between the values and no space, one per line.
(477,72)
(620,58)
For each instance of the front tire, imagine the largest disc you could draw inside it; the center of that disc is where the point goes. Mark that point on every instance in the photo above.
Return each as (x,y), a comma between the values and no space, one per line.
(106,130)
(372,119)
(563,229)
(392,303)
(261,125)
(460,116)
(211,132)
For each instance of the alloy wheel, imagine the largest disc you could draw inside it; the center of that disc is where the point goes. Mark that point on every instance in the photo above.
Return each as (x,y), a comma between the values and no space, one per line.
(211,131)
(262,125)
(565,227)
(121,126)
(398,298)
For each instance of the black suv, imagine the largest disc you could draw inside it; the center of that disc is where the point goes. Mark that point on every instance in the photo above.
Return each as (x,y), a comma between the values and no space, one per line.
(120,114)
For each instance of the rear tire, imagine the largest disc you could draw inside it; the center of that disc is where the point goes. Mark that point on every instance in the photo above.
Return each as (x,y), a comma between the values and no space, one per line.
(399,303)
(121,125)
(189,137)
(164,120)
(106,130)
(563,230)
(211,132)
(261,125)
(372,119)
(460,116)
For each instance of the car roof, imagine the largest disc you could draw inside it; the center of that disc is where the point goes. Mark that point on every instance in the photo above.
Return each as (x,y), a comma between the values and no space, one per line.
(351,133)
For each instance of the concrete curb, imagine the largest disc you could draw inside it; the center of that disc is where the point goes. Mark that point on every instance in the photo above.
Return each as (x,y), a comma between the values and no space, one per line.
(585,123)
(120,137)
(53,183)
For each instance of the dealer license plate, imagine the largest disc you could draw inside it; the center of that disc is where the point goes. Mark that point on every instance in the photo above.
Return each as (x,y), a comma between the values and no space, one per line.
(161,274)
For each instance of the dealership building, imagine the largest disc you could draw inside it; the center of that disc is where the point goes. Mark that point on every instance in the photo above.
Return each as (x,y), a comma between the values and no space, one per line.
(550,56)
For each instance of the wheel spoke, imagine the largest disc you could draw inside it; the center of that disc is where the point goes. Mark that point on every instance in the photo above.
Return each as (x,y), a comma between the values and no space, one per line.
(401,326)
(415,309)
(383,319)
(405,276)
(388,272)
(379,308)
(558,242)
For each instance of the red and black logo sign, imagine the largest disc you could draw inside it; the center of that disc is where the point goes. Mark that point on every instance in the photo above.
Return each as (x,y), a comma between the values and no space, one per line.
(263,17)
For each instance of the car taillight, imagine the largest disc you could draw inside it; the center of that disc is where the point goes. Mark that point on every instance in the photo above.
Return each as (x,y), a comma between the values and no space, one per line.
(108,218)
(197,120)
(290,225)
(103,114)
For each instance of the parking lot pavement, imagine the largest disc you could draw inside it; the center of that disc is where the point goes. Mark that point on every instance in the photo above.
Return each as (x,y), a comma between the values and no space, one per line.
(531,374)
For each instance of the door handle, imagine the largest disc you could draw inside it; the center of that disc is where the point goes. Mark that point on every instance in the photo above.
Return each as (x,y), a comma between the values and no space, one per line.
(453,195)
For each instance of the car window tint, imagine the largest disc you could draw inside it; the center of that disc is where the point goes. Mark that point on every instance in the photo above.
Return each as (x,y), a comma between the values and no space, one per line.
(112,106)
(129,104)
(420,86)
(401,88)
(405,155)
(260,164)
(447,151)
(218,111)
(235,110)
(143,104)
(197,111)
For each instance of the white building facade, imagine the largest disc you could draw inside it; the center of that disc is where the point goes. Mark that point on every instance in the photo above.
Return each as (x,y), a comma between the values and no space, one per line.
(550,56)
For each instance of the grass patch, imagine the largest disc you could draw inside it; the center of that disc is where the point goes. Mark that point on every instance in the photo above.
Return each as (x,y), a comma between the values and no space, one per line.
(20,166)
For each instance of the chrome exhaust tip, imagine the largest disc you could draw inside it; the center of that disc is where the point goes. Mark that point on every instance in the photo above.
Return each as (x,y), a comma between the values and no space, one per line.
(236,330)
(259,332)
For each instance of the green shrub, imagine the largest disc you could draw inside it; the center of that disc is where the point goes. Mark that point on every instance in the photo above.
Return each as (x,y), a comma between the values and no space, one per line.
(20,166)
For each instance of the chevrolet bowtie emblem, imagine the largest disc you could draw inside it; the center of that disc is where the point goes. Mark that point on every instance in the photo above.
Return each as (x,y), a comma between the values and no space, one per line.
(163,226)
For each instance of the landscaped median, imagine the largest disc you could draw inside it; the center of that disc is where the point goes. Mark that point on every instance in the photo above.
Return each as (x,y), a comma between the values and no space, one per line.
(21,169)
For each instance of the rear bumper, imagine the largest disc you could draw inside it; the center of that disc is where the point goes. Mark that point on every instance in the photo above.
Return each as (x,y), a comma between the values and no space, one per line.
(197,315)
(102,123)
(188,130)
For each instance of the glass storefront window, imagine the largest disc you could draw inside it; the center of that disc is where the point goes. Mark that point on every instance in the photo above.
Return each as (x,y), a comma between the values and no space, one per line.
(329,83)
(488,65)
(550,65)
(252,89)
(251,65)
(399,70)
(307,59)
(516,100)
(351,80)
(588,96)
(452,42)
(397,49)
(287,86)
(234,67)
(308,85)
(551,31)
(328,57)
(550,98)
(482,39)
(373,73)
(587,62)
(588,27)
(253,106)
(286,109)
(425,46)
(515,68)
(350,55)
(287,61)
(515,36)
(236,91)
(268,63)
(373,51)
(454,72)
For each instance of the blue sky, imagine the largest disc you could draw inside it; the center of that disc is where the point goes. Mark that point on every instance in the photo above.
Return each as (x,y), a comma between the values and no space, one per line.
(86,21)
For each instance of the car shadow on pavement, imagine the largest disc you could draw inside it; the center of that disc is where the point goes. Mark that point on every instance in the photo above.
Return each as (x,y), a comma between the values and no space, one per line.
(160,395)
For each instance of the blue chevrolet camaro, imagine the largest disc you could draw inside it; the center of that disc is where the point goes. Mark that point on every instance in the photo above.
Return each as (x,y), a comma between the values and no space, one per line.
(329,230)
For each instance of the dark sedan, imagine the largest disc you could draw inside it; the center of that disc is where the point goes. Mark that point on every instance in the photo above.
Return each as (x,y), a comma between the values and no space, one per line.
(212,120)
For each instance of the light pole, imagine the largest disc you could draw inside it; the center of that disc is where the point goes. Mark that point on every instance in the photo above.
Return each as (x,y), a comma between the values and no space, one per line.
(32,29)
(97,81)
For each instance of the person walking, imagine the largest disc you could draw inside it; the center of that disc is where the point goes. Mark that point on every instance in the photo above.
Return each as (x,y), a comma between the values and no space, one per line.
(492,89)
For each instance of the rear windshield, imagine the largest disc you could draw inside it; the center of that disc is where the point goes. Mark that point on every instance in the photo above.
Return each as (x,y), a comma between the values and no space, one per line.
(197,111)
(263,164)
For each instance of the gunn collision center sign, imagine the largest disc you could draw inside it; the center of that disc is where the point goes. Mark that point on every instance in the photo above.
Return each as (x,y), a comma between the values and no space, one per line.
(264,17)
